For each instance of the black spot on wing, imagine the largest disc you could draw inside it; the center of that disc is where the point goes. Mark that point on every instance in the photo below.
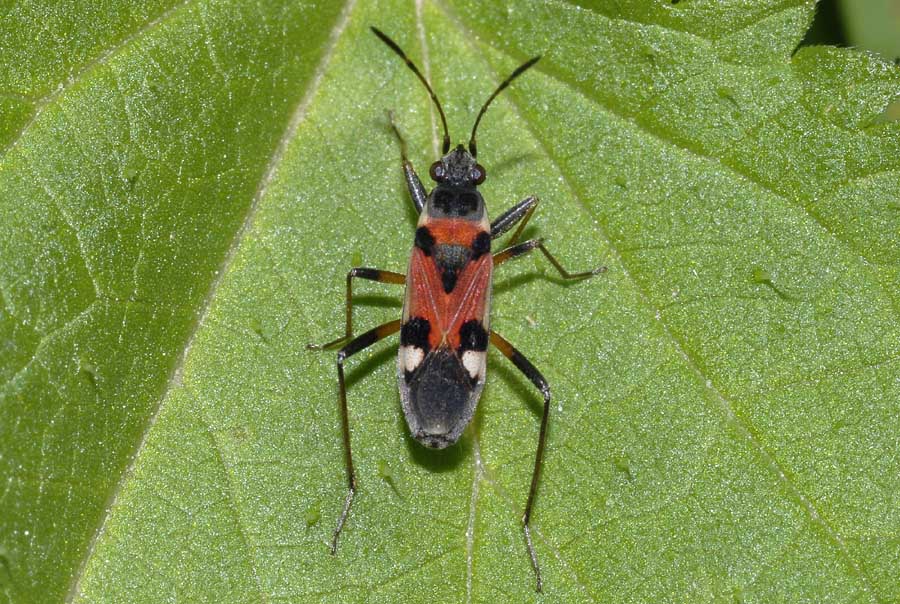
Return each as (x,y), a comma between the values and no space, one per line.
(415,333)
(472,336)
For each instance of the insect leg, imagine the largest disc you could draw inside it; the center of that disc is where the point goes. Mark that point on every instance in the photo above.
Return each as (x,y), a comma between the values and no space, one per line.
(508,219)
(360,343)
(372,274)
(416,190)
(531,372)
(526,246)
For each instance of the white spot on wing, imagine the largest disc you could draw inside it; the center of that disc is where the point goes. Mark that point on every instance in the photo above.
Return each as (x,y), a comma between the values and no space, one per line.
(412,357)
(473,361)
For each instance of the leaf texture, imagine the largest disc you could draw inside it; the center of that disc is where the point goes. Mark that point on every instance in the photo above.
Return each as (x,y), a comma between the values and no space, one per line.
(183,187)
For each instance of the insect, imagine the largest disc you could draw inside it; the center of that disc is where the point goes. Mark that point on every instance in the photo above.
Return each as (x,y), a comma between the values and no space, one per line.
(445,326)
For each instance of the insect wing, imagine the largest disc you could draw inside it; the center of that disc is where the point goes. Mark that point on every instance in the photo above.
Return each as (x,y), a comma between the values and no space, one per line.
(443,342)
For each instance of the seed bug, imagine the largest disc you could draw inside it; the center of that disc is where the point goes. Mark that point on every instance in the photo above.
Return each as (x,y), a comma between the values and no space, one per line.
(445,326)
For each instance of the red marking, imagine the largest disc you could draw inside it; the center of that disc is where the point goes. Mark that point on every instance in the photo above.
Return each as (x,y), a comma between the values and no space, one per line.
(469,299)
(453,230)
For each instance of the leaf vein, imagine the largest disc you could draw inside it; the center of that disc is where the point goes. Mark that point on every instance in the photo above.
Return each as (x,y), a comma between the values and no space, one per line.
(231,504)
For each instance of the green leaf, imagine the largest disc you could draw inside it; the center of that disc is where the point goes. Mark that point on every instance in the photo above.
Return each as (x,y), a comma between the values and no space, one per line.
(183,187)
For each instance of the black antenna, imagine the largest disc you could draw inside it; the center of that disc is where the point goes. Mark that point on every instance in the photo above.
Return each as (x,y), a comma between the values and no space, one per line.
(393,46)
(519,70)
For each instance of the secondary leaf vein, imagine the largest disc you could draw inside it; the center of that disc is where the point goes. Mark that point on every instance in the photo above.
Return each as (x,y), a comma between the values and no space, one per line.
(42,103)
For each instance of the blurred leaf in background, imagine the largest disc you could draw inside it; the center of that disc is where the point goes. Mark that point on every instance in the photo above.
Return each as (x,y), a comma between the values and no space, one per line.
(870,25)
(873,25)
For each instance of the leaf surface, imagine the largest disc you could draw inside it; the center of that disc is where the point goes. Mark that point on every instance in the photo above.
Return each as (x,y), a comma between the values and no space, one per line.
(182,195)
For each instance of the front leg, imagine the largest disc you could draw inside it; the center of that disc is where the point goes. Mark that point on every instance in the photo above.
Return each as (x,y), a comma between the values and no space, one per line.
(508,219)
(416,190)
(526,246)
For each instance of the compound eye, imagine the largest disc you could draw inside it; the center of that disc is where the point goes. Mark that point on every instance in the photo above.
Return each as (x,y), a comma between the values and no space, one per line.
(477,174)
(437,171)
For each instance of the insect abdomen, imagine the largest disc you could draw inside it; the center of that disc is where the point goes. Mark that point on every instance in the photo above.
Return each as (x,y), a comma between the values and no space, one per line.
(440,399)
